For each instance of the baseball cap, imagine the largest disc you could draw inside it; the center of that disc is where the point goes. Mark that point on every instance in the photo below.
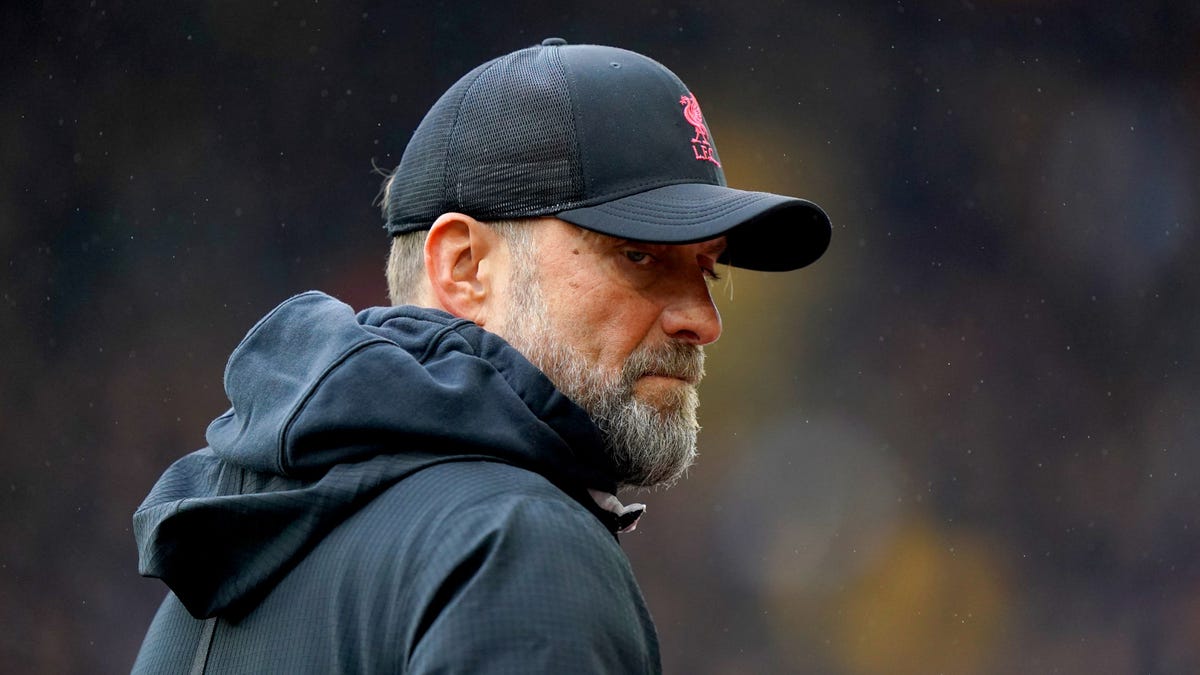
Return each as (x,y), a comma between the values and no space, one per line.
(601,137)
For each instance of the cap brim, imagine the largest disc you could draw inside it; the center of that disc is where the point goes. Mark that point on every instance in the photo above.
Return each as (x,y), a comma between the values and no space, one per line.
(764,231)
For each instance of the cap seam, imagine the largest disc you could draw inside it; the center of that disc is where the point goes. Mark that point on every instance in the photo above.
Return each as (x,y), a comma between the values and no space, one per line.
(577,114)
(634,189)
(648,217)
(617,207)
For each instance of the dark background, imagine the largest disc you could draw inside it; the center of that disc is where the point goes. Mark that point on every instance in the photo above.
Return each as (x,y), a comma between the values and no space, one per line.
(963,442)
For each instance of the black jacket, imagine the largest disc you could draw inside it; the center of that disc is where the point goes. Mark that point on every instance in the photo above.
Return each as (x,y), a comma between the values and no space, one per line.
(399,491)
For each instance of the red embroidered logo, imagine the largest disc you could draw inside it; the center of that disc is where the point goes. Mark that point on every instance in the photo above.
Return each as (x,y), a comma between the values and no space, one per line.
(701,144)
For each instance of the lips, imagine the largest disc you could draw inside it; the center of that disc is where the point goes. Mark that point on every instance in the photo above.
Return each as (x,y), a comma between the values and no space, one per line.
(684,377)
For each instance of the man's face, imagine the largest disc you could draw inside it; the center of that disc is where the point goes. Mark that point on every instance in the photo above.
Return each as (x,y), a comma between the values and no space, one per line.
(619,327)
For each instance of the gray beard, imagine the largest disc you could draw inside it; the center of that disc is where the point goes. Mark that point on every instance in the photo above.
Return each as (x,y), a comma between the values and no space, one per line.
(650,445)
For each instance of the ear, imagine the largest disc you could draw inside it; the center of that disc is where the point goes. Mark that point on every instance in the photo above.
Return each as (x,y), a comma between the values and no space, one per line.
(462,260)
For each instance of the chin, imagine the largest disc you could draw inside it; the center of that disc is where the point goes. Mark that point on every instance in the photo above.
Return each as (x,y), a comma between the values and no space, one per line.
(667,395)
(664,476)
(655,440)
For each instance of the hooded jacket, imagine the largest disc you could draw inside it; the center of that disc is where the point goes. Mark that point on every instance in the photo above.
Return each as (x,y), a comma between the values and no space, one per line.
(397,491)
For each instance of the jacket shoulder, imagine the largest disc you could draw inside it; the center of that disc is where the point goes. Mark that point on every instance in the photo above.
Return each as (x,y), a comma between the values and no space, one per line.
(519,577)
(486,567)
(461,500)
(471,566)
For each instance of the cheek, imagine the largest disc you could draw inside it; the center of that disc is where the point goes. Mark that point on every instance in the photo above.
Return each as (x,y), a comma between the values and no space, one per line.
(623,330)
(606,327)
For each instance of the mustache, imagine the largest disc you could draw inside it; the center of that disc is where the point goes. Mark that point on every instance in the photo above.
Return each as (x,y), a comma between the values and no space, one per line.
(672,359)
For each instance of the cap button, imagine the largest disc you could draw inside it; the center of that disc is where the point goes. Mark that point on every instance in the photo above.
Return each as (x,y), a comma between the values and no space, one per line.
(553,42)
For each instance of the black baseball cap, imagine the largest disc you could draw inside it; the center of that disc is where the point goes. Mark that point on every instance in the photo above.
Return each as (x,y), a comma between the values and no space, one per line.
(601,137)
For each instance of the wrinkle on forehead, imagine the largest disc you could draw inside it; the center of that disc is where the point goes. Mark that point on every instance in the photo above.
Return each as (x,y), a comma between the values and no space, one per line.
(593,237)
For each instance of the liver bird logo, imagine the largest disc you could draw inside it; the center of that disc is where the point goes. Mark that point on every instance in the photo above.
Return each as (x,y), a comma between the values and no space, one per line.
(702,146)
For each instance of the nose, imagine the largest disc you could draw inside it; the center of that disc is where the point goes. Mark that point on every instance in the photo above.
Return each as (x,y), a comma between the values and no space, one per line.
(692,316)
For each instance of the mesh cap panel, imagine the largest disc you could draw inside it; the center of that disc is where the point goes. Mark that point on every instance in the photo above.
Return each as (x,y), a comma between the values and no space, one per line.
(477,153)
(503,166)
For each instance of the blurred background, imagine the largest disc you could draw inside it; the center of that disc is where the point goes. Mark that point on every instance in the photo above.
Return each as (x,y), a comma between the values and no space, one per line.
(966,441)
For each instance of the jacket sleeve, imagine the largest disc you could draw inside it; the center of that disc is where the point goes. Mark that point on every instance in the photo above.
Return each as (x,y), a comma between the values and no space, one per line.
(538,586)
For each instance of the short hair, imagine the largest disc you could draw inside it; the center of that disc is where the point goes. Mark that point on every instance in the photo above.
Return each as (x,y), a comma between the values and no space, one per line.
(405,265)
(406,260)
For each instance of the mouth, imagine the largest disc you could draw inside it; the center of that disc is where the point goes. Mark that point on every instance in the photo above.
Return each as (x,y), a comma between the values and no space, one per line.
(669,376)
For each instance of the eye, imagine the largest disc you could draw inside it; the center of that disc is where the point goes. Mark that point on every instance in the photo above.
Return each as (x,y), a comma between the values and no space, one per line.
(711,274)
(638,257)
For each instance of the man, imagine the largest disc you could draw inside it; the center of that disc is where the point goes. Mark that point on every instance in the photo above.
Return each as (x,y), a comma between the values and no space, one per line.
(431,487)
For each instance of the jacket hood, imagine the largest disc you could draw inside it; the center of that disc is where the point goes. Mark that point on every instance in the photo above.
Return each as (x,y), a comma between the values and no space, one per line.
(328,410)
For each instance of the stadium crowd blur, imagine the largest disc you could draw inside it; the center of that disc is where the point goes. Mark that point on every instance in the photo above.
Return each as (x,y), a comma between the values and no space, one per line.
(966,441)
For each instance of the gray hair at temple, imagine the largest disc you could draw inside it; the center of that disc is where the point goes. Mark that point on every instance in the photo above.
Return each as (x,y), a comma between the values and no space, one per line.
(406,260)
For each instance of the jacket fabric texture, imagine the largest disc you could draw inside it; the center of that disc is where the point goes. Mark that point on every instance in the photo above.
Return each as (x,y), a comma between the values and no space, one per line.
(394,491)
